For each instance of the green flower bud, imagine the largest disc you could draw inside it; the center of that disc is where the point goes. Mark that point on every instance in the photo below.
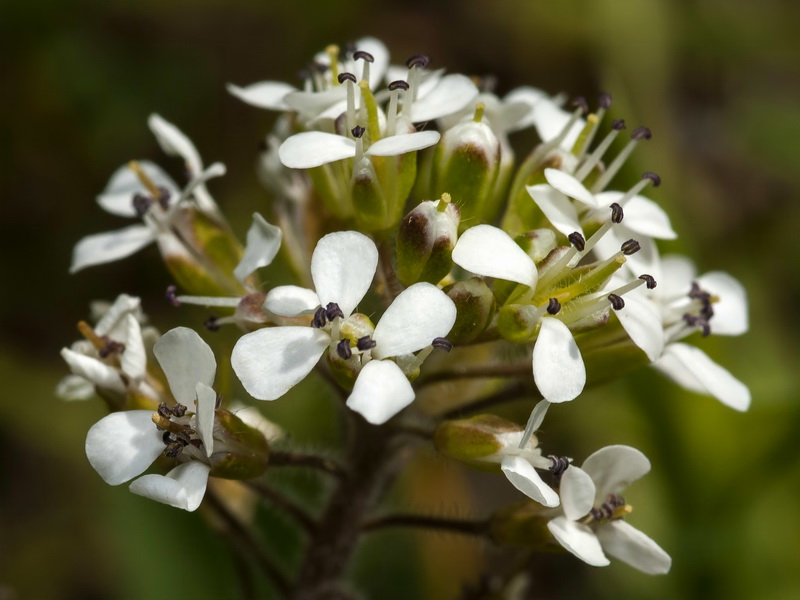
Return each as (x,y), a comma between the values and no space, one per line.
(425,241)
(472,441)
(476,307)
(467,165)
(523,525)
(518,322)
(240,451)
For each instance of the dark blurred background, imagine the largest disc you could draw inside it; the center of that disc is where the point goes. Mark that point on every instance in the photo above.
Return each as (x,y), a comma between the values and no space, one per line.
(717,81)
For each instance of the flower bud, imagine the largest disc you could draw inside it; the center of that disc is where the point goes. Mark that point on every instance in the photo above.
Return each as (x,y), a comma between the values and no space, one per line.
(523,525)
(371,209)
(476,306)
(466,166)
(425,241)
(517,322)
(240,451)
(474,440)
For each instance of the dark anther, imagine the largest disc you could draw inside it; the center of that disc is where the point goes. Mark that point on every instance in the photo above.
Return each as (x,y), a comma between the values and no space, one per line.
(616,213)
(164,410)
(171,295)
(618,124)
(607,510)
(347,77)
(211,324)
(418,60)
(576,239)
(343,349)
(366,343)
(580,102)
(319,319)
(357,131)
(597,514)
(173,449)
(649,281)
(362,55)
(654,177)
(617,303)
(560,464)
(641,133)
(398,85)
(332,311)
(163,197)
(630,247)
(553,306)
(604,100)
(141,204)
(178,410)
(698,321)
(166,438)
(615,500)
(304,74)
(110,348)
(441,343)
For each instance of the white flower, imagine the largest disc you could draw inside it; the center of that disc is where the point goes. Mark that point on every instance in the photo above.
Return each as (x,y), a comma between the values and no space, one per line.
(126,195)
(592,522)
(114,359)
(714,303)
(124,444)
(519,466)
(271,361)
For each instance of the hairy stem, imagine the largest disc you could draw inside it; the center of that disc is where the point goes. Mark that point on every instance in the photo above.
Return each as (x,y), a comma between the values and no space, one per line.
(477,528)
(294,459)
(477,372)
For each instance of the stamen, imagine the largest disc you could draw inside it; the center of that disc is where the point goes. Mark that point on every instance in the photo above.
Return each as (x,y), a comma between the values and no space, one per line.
(602,148)
(343,349)
(639,134)
(617,303)
(319,320)
(110,348)
(630,247)
(698,321)
(580,102)
(560,464)
(654,177)
(141,204)
(398,85)
(418,60)
(347,77)
(368,59)
(616,213)
(577,240)
(391,116)
(553,306)
(604,100)
(211,323)
(333,311)
(441,343)
(647,179)
(144,179)
(87,332)
(649,281)
(366,343)
(357,131)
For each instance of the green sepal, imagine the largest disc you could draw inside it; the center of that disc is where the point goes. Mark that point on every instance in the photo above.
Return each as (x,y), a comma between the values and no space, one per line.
(523,525)
(472,440)
(475,306)
(242,451)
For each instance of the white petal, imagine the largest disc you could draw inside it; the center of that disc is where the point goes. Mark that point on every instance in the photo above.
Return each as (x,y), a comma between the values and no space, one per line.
(642,215)
(642,323)
(417,316)
(558,368)
(628,544)
(123,444)
(677,274)
(489,251)
(264,94)
(117,198)
(74,387)
(558,209)
(310,104)
(380,392)
(342,268)
(569,186)
(113,322)
(99,373)
(102,248)
(175,143)
(730,313)
(577,493)
(186,360)
(315,148)
(206,408)
(291,300)
(550,119)
(133,361)
(691,368)
(524,477)
(263,243)
(406,142)
(183,487)
(534,422)
(451,94)
(578,539)
(614,468)
(269,362)
(530,97)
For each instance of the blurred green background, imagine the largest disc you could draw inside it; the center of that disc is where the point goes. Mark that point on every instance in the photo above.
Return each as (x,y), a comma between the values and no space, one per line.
(717,81)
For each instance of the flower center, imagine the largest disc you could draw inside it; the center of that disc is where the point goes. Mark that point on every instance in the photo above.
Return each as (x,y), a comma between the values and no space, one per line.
(613,509)
(175,425)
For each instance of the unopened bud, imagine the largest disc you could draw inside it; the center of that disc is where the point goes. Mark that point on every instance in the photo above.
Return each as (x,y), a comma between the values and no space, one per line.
(240,451)
(472,441)
(425,241)
(475,305)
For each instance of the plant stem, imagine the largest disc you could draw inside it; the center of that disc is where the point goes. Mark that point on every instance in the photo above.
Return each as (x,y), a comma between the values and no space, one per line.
(272,496)
(466,527)
(294,459)
(477,372)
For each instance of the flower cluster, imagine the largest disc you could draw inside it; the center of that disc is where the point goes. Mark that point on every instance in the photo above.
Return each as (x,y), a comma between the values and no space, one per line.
(411,226)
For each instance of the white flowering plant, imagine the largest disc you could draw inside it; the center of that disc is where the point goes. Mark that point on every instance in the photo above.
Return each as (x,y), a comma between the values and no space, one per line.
(425,256)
